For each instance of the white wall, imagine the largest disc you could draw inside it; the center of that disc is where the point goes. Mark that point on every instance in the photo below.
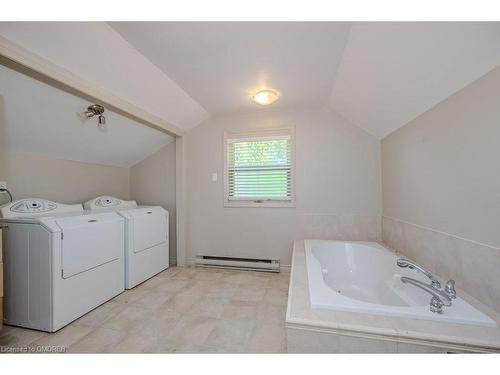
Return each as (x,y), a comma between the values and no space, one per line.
(441,189)
(152,182)
(60,180)
(442,170)
(338,188)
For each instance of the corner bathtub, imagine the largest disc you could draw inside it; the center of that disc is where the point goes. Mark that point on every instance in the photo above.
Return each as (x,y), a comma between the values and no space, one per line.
(363,277)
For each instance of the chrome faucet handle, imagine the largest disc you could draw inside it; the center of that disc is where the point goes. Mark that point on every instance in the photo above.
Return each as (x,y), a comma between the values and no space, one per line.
(436,284)
(449,289)
(436,305)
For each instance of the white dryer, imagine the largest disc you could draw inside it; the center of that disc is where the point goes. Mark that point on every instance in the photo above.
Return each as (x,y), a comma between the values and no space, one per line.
(146,237)
(60,262)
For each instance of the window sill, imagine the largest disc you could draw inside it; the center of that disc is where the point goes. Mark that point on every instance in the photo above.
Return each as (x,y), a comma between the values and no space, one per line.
(267,204)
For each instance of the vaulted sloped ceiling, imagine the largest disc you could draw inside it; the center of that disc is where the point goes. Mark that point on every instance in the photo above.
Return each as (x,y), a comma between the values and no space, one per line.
(97,53)
(379,76)
(392,72)
(39,119)
(221,64)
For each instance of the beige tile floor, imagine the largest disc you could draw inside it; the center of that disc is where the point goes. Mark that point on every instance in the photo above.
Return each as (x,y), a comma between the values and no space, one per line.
(181,310)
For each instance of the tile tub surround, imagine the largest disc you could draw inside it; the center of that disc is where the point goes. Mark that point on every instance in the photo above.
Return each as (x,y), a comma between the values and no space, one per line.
(339,227)
(274,238)
(321,330)
(181,310)
(474,266)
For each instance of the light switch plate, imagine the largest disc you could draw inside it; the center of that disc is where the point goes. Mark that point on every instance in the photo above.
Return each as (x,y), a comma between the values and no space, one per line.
(3,184)
(214,177)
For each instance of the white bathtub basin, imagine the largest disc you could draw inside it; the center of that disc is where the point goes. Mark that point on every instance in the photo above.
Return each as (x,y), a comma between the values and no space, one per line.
(363,277)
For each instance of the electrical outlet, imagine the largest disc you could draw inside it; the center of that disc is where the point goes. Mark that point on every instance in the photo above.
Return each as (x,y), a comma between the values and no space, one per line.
(3,185)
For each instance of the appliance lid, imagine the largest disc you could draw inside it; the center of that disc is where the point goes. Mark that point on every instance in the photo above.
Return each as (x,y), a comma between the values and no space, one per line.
(88,219)
(139,211)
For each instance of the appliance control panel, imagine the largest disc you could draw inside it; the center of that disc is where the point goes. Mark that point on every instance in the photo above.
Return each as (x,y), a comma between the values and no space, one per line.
(106,201)
(32,207)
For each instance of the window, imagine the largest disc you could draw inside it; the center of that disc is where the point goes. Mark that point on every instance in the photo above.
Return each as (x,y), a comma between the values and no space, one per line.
(259,169)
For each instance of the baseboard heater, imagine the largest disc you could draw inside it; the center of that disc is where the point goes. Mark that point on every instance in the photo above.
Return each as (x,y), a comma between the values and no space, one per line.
(268,265)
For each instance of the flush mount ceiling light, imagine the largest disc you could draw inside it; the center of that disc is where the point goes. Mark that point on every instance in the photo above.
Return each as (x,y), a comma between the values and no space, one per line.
(266,97)
(96,110)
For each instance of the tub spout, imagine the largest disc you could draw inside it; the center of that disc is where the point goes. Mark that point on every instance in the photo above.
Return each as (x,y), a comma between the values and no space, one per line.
(414,266)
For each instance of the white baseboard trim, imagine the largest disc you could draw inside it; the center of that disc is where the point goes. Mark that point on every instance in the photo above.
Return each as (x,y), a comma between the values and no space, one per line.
(190,262)
(285,268)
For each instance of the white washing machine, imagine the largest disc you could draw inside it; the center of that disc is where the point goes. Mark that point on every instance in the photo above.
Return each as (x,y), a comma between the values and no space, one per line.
(146,237)
(60,262)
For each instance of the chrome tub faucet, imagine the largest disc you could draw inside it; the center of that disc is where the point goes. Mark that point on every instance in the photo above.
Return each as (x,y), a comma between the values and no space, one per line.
(414,266)
(440,297)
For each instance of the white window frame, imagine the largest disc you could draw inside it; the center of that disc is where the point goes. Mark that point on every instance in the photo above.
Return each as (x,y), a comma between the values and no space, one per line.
(265,133)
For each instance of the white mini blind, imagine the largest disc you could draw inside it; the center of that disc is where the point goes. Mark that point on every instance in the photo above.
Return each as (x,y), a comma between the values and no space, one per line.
(259,168)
